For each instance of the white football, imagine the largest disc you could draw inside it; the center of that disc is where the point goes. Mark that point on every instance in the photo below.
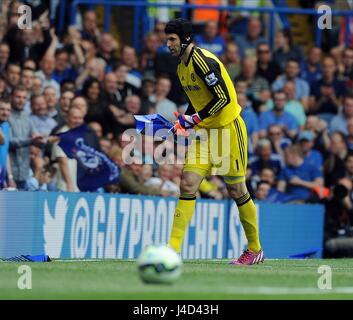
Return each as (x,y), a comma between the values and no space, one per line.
(159,264)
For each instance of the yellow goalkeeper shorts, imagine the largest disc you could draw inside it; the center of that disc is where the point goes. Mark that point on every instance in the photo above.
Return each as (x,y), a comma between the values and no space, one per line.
(222,151)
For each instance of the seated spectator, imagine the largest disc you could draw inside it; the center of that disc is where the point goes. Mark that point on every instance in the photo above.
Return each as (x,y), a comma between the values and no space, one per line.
(129,58)
(210,39)
(278,141)
(13,76)
(319,128)
(326,94)
(27,79)
(306,144)
(340,121)
(264,157)
(266,67)
(94,68)
(299,178)
(163,105)
(147,90)
(334,167)
(293,106)
(285,50)
(231,60)
(251,121)
(255,84)
(278,116)
(249,42)
(40,118)
(291,73)
(346,72)
(311,68)
(164,181)
(149,54)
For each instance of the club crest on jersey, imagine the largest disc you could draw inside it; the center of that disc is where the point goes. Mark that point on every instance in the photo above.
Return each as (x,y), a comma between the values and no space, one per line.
(193,77)
(211,79)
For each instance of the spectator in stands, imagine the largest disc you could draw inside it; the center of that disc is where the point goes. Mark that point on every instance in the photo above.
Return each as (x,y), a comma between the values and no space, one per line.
(311,68)
(47,66)
(319,128)
(66,168)
(210,39)
(40,118)
(37,87)
(3,93)
(52,99)
(125,89)
(129,58)
(4,56)
(80,103)
(30,64)
(334,167)
(105,145)
(6,177)
(255,83)
(94,68)
(293,106)
(147,90)
(98,108)
(13,76)
(266,67)
(278,141)
(265,158)
(262,190)
(22,135)
(63,70)
(163,105)
(251,121)
(326,93)
(285,49)
(110,88)
(41,178)
(231,60)
(164,181)
(64,105)
(306,144)
(27,79)
(299,178)
(248,43)
(278,116)
(349,136)
(90,29)
(346,73)
(26,43)
(107,48)
(292,71)
(159,31)
(148,55)
(96,128)
(339,122)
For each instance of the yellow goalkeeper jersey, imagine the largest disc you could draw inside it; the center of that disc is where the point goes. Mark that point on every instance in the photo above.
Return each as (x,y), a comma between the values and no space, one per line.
(209,89)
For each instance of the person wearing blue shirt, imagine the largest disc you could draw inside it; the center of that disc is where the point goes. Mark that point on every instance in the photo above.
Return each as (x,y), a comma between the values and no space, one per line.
(278,116)
(5,110)
(310,68)
(210,40)
(306,143)
(299,178)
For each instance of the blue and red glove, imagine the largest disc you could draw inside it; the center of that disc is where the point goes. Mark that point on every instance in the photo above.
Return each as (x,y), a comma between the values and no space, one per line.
(186,121)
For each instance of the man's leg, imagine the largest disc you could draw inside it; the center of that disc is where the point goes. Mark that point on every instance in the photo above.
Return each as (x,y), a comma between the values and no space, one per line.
(189,184)
(248,218)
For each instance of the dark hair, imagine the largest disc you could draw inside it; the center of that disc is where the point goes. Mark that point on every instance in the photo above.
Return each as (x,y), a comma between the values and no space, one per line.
(87,84)
(288,34)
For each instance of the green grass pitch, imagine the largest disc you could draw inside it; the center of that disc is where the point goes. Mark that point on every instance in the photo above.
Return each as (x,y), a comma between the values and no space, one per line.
(201,279)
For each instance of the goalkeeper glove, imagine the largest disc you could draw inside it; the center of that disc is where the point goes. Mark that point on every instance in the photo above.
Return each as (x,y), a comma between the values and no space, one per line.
(186,121)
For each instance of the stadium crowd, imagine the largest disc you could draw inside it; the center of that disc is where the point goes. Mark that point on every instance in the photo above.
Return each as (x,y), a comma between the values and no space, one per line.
(298,107)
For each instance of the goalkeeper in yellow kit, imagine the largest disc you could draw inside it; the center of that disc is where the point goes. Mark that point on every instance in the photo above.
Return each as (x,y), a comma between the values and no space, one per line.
(214,113)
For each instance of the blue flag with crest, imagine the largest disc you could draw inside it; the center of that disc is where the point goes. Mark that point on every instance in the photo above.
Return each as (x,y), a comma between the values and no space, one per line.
(94,168)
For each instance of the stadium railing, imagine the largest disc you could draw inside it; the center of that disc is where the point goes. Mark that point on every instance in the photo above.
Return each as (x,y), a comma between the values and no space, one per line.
(139,5)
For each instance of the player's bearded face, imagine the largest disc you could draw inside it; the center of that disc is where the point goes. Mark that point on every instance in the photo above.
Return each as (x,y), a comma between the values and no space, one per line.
(173,44)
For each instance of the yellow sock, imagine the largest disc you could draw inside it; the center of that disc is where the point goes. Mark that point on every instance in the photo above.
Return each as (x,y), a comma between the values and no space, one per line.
(247,213)
(183,213)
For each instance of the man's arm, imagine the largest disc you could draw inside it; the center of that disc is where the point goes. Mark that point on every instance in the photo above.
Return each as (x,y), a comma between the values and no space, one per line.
(62,161)
(209,71)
